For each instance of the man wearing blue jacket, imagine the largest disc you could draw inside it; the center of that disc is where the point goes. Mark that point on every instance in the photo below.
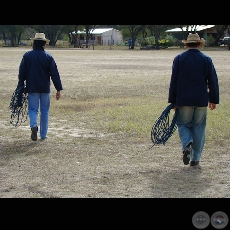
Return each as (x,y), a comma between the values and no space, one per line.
(193,87)
(36,69)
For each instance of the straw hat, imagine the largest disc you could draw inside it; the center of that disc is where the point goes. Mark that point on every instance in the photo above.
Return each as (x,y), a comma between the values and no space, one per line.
(194,38)
(41,37)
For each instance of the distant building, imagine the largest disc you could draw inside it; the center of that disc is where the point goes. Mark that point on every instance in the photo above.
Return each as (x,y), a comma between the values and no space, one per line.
(102,36)
(202,30)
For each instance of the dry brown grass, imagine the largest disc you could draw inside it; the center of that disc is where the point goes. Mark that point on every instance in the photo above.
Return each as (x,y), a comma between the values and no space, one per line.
(99,132)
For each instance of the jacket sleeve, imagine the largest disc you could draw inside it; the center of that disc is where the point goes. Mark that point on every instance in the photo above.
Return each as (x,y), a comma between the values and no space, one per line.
(213,85)
(173,82)
(55,76)
(22,72)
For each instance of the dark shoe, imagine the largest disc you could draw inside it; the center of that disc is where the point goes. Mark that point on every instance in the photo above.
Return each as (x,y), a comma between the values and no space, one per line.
(34,131)
(194,163)
(186,155)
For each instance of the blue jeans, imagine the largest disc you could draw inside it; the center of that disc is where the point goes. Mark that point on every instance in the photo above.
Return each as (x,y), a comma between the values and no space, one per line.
(36,100)
(191,128)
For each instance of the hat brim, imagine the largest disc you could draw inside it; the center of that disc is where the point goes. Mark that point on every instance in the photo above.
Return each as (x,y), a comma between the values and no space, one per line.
(202,41)
(40,39)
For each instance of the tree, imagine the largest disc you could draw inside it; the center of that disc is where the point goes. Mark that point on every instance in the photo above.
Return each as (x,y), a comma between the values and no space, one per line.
(88,32)
(220,29)
(157,31)
(3,31)
(52,32)
(13,32)
(134,31)
(73,35)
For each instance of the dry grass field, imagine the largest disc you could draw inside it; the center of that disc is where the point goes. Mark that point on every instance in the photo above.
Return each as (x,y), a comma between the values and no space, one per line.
(99,143)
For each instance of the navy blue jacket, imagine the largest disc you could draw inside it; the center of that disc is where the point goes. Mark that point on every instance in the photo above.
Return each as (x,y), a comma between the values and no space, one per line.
(37,67)
(194,81)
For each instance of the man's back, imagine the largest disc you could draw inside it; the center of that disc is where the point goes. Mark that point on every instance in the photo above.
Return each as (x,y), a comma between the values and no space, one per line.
(37,67)
(192,70)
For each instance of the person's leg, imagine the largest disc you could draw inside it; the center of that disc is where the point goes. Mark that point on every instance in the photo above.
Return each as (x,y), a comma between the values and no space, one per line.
(184,123)
(44,113)
(33,106)
(198,132)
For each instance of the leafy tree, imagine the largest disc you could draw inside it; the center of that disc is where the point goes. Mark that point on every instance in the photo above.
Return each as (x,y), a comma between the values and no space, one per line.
(134,31)
(73,35)
(157,31)
(88,32)
(52,32)
(220,29)
(13,32)
(4,31)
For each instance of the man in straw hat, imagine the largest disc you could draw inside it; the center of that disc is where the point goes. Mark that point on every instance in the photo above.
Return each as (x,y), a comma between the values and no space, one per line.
(36,69)
(193,87)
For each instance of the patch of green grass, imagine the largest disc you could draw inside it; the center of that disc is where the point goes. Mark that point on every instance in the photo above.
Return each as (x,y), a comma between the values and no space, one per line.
(134,116)
(218,122)
(131,115)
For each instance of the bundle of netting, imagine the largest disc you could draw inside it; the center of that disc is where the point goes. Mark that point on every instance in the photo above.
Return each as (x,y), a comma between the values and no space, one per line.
(18,106)
(164,128)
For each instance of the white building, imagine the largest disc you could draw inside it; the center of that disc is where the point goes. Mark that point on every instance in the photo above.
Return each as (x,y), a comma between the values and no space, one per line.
(102,36)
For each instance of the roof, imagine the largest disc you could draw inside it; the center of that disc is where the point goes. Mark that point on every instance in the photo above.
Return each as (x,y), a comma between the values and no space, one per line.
(198,28)
(95,31)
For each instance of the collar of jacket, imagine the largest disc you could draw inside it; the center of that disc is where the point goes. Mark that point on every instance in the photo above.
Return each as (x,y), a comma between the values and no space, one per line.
(38,48)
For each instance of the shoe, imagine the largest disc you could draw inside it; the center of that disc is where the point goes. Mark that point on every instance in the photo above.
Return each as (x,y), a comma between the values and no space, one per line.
(186,155)
(34,131)
(194,163)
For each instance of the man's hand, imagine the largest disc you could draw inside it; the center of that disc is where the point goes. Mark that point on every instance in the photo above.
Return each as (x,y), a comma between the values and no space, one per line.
(58,95)
(175,107)
(212,106)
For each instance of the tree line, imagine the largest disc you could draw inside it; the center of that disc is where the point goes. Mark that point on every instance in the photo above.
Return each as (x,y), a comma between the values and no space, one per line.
(15,33)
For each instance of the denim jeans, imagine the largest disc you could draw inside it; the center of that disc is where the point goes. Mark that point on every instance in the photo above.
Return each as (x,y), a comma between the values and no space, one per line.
(36,101)
(191,128)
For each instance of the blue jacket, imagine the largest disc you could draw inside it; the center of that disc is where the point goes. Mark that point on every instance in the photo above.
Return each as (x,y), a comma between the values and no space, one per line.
(37,67)
(194,80)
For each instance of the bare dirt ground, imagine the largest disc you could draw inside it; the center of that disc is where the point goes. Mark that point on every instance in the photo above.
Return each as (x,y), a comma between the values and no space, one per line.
(86,155)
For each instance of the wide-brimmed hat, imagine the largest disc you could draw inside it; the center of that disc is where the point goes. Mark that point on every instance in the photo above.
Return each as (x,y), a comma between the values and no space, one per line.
(40,37)
(194,38)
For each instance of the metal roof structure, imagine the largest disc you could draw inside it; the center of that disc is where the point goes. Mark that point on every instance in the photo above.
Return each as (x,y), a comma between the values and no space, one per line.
(190,28)
(95,31)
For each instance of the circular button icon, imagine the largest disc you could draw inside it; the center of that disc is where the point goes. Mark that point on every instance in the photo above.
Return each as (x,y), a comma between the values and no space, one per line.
(201,220)
(219,220)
